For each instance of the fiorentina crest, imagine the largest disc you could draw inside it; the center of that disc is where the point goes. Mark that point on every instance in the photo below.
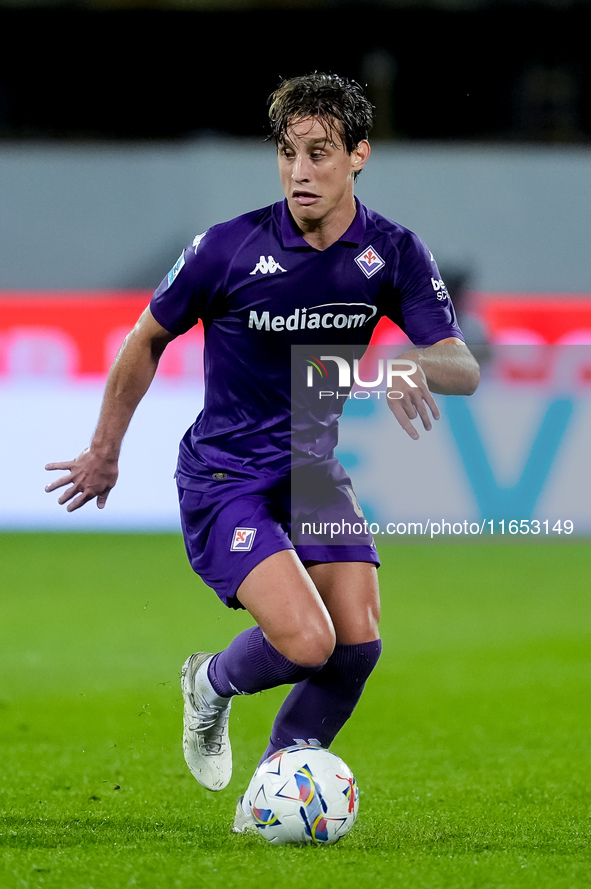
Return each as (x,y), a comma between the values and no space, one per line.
(369,262)
(242,540)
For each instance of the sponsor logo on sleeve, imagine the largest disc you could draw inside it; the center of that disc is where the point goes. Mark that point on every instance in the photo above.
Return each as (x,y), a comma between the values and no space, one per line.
(439,288)
(176,269)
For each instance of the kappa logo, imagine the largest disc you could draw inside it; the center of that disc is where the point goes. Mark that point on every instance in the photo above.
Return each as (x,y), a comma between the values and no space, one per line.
(370,262)
(242,540)
(197,240)
(267,266)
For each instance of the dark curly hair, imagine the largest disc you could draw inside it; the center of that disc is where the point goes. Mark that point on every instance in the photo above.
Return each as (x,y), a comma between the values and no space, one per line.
(338,102)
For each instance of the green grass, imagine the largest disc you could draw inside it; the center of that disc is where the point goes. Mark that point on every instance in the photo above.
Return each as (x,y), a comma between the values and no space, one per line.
(471,744)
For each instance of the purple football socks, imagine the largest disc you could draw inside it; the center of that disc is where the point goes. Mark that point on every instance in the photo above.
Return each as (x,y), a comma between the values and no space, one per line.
(251,664)
(322,699)
(317,708)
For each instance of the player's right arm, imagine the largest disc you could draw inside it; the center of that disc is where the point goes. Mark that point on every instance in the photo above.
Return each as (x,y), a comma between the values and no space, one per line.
(94,472)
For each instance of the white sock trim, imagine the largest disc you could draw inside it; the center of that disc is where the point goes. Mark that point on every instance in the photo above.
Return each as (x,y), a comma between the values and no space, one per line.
(206,690)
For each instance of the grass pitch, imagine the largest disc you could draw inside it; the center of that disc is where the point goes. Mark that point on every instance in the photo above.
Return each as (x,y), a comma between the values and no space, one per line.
(470,745)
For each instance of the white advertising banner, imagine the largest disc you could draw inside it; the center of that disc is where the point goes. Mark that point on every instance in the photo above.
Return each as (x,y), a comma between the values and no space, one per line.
(511,461)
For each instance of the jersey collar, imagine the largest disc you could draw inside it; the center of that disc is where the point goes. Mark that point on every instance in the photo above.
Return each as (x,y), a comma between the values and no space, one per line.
(290,236)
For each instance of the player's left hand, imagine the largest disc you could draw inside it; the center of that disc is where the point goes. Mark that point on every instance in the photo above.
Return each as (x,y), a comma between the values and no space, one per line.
(408,402)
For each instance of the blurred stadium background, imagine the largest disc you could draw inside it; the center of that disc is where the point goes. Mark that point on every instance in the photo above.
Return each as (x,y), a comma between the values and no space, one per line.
(128,127)
(125,129)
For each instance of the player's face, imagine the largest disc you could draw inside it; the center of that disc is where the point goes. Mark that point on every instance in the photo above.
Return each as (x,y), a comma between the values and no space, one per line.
(317,174)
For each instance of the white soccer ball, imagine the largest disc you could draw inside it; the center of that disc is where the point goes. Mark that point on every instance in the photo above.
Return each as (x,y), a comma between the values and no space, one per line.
(303,794)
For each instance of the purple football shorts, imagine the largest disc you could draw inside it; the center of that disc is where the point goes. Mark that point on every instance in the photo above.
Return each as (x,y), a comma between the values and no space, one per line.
(233,524)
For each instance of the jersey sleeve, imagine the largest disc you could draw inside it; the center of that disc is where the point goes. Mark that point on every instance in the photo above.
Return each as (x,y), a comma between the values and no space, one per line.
(423,307)
(187,294)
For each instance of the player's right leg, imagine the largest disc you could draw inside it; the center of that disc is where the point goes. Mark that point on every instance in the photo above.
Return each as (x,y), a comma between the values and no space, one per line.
(281,596)
(294,638)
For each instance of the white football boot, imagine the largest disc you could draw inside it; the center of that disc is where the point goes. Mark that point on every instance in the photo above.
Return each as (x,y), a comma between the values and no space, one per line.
(243,820)
(206,743)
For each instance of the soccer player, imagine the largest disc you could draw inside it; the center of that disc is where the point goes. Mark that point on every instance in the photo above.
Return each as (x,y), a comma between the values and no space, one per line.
(318,268)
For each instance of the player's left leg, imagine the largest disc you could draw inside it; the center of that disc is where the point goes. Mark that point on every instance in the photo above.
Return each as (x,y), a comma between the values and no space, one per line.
(351,593)
(317,708)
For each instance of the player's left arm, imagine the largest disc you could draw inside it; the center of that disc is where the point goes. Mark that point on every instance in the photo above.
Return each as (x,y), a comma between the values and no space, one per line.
(446,368)
(449,367)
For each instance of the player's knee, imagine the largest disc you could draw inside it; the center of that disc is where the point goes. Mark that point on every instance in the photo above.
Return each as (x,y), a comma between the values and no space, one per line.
(310,646)
(318,649)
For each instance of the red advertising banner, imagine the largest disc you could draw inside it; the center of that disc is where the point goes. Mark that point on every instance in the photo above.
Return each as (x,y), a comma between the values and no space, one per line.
(78,334)
(536,319)
(524,319)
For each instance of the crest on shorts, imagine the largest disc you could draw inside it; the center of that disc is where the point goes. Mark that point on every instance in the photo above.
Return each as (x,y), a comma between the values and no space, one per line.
(370,262)
(242,540)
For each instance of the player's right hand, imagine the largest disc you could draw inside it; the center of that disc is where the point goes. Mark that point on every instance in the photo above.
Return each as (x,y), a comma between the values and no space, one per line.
(89,476)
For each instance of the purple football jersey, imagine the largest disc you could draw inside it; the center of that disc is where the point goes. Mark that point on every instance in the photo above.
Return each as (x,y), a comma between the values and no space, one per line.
(260,288)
